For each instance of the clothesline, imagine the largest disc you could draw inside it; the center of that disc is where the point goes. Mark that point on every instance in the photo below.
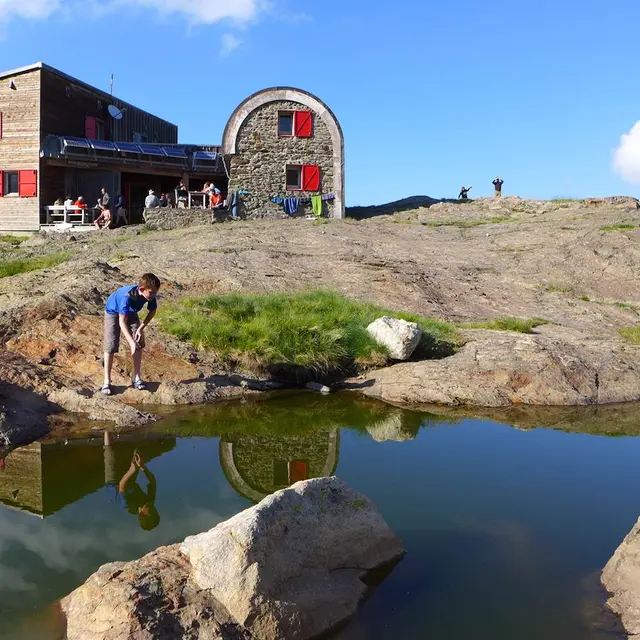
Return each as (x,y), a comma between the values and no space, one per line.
(290,205)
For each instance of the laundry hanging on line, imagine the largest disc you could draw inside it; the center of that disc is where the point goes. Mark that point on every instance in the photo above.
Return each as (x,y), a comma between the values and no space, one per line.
(291,205)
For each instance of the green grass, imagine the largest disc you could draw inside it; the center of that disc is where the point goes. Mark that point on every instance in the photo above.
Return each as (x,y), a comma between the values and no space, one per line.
(557,288)
(621,226)
(631,335)
(585,298)
(563,200)
(625,305)
(521,325)
(313,331)
(23,265)
(15,240)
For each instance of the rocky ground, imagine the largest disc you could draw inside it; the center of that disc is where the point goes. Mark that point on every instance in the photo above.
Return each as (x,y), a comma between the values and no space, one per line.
(575,264)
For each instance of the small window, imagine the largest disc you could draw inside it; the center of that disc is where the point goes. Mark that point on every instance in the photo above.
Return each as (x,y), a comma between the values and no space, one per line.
(285,123)
(99,130)
(294,178)
(11,183)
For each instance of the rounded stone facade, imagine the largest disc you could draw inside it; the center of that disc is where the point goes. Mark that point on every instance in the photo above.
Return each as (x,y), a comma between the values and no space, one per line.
(258,156)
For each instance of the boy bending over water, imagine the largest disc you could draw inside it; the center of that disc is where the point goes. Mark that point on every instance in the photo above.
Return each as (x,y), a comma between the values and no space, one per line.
(121,318)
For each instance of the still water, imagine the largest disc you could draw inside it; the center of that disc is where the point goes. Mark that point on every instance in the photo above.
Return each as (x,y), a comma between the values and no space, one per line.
(505,527)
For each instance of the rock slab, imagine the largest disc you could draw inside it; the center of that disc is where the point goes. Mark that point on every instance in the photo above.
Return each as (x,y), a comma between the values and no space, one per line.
(399,336)
(621,578)
(290,567)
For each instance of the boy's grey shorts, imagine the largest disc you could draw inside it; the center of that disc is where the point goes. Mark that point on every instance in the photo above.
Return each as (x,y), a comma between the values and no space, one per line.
(112,331)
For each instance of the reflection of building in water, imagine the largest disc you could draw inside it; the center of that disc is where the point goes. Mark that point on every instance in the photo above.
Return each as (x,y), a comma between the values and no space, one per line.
(259,465)
(44,477)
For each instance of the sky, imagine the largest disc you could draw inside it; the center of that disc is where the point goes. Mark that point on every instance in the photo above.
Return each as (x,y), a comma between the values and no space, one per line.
(430,95)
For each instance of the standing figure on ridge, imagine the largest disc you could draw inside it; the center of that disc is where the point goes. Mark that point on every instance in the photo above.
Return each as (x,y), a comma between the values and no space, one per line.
(464,192)
(497,183)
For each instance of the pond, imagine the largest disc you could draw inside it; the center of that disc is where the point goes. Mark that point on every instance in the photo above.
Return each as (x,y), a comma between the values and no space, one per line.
(506,528)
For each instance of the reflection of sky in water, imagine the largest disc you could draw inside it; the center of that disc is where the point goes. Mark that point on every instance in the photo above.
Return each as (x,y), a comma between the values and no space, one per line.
(502,527)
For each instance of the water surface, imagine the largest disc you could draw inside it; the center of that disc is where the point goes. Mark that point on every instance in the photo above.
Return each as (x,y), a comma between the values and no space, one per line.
(505,528)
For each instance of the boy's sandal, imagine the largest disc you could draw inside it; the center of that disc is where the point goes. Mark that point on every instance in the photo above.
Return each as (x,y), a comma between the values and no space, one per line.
(106,390)
(139,385)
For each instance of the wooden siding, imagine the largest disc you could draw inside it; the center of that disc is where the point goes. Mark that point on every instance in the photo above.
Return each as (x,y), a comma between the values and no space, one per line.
(66,104)
(20,146)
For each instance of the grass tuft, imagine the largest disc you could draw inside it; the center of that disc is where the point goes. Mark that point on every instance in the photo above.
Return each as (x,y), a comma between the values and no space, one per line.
(14,240)
(23,265)
(621,226)
(631,335)
(521,325)
(317,331)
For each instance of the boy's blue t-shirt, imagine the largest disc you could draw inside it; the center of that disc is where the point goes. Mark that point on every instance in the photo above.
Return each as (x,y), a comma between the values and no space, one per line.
(126,300)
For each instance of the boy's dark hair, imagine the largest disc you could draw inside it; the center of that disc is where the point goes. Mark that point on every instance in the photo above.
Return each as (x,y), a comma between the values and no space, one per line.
(149,520)
(149,281)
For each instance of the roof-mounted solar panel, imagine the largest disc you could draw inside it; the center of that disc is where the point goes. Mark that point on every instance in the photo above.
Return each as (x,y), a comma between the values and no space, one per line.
(81,143)
(151,150)
(102,145)
(205,155)
(127,147)
(173,152)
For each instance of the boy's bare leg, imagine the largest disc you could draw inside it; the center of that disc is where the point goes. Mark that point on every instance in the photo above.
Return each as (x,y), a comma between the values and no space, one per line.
(108,364)
(137,363)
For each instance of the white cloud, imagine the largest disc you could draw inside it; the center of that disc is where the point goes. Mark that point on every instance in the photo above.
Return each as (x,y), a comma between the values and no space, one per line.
(626,158)
(27,8)
(193,11)
(229,43)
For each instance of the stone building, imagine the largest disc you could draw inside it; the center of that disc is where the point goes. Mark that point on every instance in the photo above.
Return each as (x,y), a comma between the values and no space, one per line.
(257,465)
(61,137)
(285,143)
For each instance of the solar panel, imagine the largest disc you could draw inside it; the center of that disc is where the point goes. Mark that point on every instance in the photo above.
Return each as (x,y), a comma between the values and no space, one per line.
(172,152)
(127,147)
(205,155)
(76,142)
(151,150)
(102,145)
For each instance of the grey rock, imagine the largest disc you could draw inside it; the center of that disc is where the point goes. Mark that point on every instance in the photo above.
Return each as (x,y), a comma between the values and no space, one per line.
(399,336)
(621,578)
(317,386)
(391,428)
(500,369)
(291,566)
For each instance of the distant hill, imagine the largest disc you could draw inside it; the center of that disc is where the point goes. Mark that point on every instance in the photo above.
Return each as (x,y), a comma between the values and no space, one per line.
(406,204)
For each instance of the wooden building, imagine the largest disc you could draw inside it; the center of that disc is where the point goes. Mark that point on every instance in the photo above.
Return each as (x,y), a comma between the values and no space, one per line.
(57,139)
(282,152)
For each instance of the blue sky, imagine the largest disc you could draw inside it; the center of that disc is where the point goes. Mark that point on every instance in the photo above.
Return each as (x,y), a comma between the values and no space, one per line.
(430,95)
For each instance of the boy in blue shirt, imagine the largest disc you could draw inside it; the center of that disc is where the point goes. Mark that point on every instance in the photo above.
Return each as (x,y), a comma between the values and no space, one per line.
(121,318)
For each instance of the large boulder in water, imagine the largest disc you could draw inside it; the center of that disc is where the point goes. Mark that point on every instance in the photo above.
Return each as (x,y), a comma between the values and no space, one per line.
(292,567)
(621,578)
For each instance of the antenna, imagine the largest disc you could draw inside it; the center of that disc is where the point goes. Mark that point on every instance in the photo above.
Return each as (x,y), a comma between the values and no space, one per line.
(114,112)
(111,84)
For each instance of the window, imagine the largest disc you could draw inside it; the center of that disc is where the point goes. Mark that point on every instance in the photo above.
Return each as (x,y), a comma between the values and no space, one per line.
(99,130)
(294,178)
(19,183)
(11,183)
(303,177)
(298,124)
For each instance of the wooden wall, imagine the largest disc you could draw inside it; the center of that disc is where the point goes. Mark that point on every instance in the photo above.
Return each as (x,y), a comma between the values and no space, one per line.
(20,146)
(65,105)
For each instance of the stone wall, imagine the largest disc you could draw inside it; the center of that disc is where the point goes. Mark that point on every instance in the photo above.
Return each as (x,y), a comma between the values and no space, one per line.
(166,218)
(259,165)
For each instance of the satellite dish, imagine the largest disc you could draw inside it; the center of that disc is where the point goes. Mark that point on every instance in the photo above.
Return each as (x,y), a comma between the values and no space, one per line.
(114,112)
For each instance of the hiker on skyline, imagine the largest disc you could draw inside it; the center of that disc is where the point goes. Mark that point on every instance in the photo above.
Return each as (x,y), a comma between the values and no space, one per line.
(497,183)
(464,191)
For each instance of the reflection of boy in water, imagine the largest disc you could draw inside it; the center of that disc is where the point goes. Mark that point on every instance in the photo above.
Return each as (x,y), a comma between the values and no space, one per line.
(128,492)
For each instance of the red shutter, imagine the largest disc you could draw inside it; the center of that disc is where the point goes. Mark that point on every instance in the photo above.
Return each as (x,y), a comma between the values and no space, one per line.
(1,183)
(90,127)
(310,177)
(302,124)
(28,183)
